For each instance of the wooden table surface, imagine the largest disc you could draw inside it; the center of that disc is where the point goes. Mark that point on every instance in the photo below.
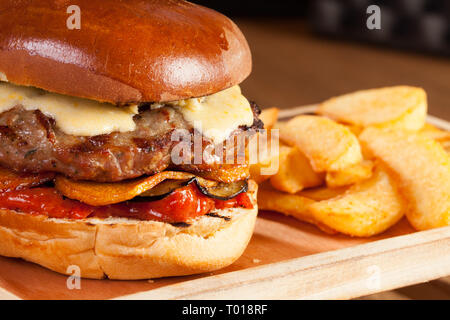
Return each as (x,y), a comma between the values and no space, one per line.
(293,67)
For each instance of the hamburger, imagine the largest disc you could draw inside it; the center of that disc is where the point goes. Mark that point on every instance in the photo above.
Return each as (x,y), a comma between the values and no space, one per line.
(115,138)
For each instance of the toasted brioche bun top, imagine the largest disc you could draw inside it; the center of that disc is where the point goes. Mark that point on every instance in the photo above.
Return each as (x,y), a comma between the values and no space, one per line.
(125,51)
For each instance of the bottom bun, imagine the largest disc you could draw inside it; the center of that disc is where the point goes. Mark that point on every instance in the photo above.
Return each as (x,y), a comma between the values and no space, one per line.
(125,249)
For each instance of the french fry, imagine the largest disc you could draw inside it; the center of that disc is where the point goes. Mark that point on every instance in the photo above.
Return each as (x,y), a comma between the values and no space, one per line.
(328,145)
(350,175)
(269,117)
(401,107)
(422,169)
(295,172)
(365,209)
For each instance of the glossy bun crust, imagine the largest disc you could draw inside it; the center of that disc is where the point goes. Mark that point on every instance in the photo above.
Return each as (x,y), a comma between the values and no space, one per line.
(125,51)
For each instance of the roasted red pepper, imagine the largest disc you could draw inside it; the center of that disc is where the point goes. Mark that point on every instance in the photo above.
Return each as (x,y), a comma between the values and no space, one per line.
(180,206)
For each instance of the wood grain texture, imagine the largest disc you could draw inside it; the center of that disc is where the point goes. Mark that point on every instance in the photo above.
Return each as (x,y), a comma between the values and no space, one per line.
(340,274)
(433,290)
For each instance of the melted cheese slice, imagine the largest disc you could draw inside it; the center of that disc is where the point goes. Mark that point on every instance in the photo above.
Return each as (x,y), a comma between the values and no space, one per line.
(218,115)
(215,116)
(75,116)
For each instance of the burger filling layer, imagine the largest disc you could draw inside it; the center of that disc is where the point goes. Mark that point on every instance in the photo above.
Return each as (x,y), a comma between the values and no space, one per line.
(182,205)
(44,136)
(45,132)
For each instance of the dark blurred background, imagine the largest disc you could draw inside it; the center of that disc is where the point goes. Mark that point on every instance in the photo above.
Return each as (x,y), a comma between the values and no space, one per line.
(306,51)
(252,8)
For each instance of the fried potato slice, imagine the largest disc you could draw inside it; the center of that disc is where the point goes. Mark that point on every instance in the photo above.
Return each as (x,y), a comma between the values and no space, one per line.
(265,168)
(269,117)
(101,194)
(446,145)
(279,124)
(396,107)
(328,145)
(435,133)
(264,155)
(422,169)
(289,204)
(350,175)
(356,130)
(9,180)
(362,210)
(365,209)
(256,172)
(295,172)
(322,193)
(439,135)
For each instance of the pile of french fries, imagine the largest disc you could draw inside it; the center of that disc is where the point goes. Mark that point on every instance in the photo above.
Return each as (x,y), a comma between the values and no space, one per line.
(364,161)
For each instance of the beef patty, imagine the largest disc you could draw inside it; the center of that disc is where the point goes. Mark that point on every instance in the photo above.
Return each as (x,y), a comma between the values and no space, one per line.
(31,142)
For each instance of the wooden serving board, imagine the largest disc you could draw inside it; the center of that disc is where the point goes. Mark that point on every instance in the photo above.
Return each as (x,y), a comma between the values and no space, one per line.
(286,259)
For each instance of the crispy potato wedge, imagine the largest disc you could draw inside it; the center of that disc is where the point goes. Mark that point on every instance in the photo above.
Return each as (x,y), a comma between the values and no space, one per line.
(365,209)
(264,159)
(439,135)
(101,194)
(328,145)
(265,168)
(295,172)
(446,145)
(400,107)
(279,124)
(350,175)
(435,133)
(289,204)
(422,169)
(356,130)
(322,193)
(269,117)
(256,172)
